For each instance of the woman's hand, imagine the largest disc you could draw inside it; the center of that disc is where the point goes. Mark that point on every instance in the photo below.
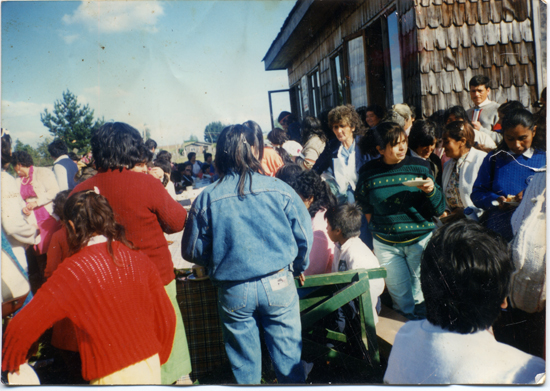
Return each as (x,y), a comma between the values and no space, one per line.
(29,208)
(427,187)
(302,279)
(157,172)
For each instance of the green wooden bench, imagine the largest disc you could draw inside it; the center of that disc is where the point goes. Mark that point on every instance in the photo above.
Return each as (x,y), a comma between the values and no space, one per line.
(323,294)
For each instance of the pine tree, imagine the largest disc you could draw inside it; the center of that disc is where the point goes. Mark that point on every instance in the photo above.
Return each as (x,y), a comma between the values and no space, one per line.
(71,122)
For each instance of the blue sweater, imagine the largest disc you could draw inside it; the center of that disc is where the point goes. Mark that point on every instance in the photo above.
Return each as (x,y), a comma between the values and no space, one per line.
(504,176)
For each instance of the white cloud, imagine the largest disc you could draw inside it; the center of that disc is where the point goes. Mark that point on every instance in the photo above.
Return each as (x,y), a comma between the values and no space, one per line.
(70,38)
(116,16)
(22,108)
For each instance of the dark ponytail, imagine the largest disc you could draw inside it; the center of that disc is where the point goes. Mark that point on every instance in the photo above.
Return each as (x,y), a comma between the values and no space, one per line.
(91,215)
(235,154)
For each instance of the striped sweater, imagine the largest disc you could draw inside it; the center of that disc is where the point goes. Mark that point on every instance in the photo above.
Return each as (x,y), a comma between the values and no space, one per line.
(122,314)
(400,215)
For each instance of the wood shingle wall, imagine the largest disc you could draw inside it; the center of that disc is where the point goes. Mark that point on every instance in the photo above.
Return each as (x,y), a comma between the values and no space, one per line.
(458,39)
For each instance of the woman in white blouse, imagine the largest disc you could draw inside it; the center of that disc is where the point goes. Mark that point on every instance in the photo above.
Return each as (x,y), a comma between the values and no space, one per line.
(460,173)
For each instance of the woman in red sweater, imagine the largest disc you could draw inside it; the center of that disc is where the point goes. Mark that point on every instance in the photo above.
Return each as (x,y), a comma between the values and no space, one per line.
(146,211)
(114,296)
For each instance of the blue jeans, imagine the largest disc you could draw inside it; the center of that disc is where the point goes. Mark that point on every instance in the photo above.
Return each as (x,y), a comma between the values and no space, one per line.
(271,301)
(403,275)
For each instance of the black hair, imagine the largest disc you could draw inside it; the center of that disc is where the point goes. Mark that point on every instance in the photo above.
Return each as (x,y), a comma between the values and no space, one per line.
(190,155)
(459,114)
(73,156)
(457,130)
(57,148)
(480,80)
(175,176)
(145,155)
(235,154)
(345,217)
(59,202)
(311,126)
(309,184)
(116,145)
(21,157)
(6,150)
(466,272)
(423,133)
(183,165)
(164,155)
(151,144)
(259,136)
(91,215)
(288,173)
(291,118)
(205,168)
(509,106)
(377,110)
(327,129)
(278,137)
(207,155)
(524,118)
(166,167)
(383,134)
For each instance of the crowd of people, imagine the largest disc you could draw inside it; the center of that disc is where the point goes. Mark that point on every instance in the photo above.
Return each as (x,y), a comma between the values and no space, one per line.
(452,206)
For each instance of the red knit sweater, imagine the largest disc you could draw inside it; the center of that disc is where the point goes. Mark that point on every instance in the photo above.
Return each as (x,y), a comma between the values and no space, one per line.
(144,207)
(122,314)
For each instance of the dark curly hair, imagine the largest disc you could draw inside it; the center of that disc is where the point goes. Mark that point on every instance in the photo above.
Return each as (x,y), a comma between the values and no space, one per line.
(116,145)
(21,157)
(309,184)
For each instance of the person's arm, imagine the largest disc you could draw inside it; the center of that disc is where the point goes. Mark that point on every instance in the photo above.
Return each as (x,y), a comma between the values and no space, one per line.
(57,252)
(300,223)
(24,329)
(46,189)
(482,193)
(434,196)
(14,222)
(196,243)
(60,173)
(324,160)
(171,215)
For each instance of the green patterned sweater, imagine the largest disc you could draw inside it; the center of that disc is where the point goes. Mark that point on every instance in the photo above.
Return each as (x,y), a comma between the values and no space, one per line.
(400,215)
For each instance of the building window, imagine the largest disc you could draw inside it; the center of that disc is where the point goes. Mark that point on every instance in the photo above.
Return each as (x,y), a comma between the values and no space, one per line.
(339,87)
(315,89)
(395,58)
(356,68)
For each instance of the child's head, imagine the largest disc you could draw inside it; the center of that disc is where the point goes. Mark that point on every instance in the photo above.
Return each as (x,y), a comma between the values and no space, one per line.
(87,214)
(144,156)
(344,222)
(466,272)
(166,167)
(59,203)
(205,168)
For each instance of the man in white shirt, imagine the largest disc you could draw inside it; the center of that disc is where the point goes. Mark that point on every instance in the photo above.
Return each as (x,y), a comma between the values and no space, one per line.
(484,113)
(466,273)
(63,167)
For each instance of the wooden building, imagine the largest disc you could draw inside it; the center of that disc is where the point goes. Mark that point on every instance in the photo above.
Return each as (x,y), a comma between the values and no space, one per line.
(421,52)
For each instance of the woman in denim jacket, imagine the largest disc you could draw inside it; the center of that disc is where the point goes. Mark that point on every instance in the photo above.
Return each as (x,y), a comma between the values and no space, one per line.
(252,232)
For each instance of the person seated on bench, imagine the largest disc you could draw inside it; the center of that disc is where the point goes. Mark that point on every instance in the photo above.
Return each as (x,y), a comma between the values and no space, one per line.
(350,253)
(466,271)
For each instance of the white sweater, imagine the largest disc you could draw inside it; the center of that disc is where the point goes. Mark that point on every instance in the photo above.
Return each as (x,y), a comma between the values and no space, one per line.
(355,254)
(19,231)
(45,186)
(468,175)
(427,354)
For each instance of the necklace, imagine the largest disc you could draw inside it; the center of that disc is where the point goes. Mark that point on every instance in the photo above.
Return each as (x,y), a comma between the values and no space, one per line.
(27,182)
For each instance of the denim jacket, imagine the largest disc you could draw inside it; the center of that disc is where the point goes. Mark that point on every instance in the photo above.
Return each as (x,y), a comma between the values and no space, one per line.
(240,238)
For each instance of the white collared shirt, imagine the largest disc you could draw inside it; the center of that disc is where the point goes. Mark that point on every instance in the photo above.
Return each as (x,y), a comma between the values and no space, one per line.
(485,102)
(529,153)
(414,154)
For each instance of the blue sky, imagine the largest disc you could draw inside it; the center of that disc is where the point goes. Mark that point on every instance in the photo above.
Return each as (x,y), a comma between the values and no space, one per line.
(171,66)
